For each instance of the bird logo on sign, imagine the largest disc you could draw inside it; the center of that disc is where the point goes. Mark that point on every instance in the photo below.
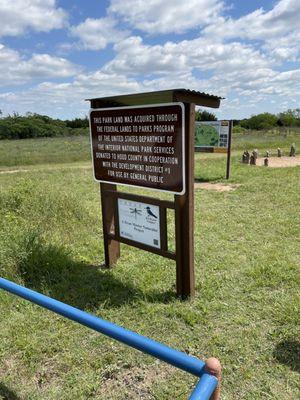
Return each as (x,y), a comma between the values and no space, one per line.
(149,212)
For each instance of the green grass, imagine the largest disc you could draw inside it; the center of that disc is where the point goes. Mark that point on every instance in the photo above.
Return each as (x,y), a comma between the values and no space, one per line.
(44,151)
(246,311)
(269,140)
(15,153)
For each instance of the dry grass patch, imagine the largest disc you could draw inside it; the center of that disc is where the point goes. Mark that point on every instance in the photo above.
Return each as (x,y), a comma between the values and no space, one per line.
(219,187)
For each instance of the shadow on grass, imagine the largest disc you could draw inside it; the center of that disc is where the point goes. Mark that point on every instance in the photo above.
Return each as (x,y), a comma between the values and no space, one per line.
(7,394)
(206,179)
(288,352)
(51,270)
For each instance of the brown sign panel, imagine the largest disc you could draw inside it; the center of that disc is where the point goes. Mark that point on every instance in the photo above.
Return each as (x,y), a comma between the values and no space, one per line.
(139,146)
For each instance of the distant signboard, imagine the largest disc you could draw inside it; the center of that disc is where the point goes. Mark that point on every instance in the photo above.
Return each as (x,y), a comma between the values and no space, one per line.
(139,146)
(139,222)
(212,134)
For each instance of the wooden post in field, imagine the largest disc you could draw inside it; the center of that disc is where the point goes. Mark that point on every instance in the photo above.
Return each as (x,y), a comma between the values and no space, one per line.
(229,150)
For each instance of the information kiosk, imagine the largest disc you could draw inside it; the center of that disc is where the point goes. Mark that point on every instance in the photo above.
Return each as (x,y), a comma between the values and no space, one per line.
(147,140)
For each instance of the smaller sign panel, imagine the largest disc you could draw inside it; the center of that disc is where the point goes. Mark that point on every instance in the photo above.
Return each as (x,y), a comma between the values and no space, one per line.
(139,222)
(212,134)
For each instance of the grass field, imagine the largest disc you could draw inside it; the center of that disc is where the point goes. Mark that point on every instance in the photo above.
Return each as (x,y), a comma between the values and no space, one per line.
(246,311)
(15,153)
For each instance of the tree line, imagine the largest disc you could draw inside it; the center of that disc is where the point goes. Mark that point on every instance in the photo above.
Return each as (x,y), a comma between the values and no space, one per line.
(34,125)
(263,121)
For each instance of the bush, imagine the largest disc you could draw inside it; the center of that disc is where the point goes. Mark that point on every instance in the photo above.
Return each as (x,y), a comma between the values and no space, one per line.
(37,126)
(238,129)
(78,123)
(260,121)
(203,115)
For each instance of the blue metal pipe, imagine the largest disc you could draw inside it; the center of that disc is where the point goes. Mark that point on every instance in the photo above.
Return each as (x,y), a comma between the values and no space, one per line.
(174,357)
(204,388)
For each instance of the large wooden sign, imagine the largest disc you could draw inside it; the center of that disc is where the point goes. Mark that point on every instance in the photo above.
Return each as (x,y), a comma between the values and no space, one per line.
(139,146)
(147,140)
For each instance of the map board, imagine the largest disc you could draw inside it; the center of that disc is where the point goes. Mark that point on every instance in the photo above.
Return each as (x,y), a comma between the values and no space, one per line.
(212,134)
(139,222)
(139,146)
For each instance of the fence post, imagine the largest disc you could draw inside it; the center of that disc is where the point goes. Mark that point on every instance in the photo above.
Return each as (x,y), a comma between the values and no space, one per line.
(213,367)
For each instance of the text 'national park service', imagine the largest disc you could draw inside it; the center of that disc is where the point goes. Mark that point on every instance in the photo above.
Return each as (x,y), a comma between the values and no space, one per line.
(140,146)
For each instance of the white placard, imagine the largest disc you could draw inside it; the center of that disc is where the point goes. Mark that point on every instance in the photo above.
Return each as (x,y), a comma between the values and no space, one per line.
(139,222)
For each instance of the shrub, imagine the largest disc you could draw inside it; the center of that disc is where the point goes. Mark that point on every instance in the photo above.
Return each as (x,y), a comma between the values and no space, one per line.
(35,126)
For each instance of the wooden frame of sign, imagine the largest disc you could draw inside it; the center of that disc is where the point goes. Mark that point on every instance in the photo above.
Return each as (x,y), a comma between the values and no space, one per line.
(182,187)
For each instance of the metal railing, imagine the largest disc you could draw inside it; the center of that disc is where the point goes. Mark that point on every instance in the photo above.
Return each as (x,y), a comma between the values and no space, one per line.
(206,386)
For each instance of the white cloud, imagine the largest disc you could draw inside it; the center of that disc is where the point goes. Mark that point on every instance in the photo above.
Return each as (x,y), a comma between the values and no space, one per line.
(257,85)
(248,91)
(201,64)
(15,70)
(174,81)
(134,57)
(18,16)
(95,34)
(284,48)
(165,16)
(241,59)
(67,99)
(260,24)
(279,28)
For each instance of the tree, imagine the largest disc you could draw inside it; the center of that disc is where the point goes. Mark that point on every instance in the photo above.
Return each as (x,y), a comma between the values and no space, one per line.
(33,125)
(260,121)
(297,113)
(288,118)
(78,123)
(203,115)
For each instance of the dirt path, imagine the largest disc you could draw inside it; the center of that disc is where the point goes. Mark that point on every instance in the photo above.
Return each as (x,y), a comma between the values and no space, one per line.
(15,171)
(280,162)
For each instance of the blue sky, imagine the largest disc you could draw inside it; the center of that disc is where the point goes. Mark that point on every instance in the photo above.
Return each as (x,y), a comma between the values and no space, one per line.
(55,54)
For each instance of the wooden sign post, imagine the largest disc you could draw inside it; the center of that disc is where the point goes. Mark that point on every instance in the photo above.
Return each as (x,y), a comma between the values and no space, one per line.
(147,140)
(229,150)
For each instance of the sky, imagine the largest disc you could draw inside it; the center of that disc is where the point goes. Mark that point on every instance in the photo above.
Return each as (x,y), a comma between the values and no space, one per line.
(54,54)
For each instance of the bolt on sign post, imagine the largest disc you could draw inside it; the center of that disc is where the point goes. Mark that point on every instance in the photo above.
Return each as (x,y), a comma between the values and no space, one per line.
(146,140)
(214,137)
